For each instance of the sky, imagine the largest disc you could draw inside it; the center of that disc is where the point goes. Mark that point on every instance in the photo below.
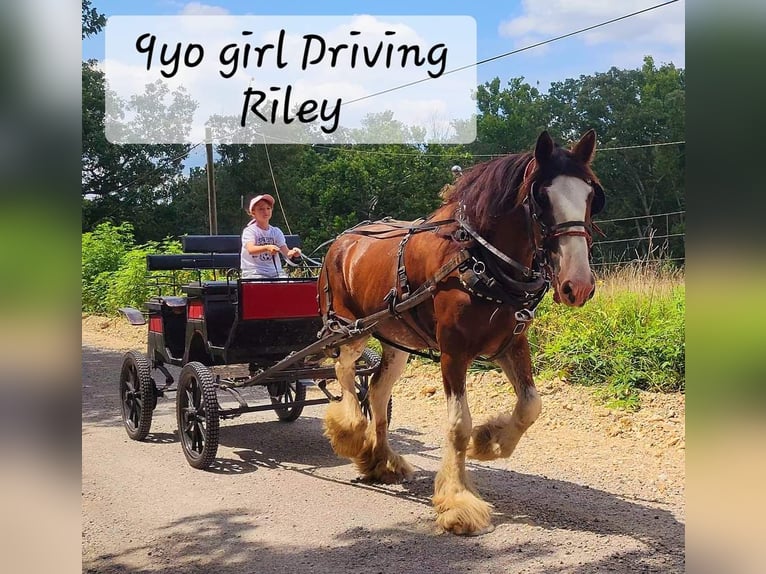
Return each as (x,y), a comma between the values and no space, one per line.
(500,27)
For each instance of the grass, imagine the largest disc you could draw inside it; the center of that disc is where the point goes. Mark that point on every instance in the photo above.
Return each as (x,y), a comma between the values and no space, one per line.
(630,337)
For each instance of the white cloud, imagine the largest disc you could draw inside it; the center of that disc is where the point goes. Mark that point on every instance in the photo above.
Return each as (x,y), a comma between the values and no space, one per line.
(199,9)
(543,19)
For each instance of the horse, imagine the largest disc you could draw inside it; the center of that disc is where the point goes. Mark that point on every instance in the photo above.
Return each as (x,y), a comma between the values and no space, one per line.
(463,282)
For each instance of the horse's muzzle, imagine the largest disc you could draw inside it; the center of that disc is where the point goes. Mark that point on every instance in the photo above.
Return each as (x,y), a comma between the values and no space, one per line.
(574,293)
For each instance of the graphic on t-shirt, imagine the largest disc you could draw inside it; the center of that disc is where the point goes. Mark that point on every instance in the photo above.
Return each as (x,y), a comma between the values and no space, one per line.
(265,241)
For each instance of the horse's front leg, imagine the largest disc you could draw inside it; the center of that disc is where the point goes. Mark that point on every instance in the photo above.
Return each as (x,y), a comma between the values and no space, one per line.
(344,422)
(499,436)
(377,462)
(459,509)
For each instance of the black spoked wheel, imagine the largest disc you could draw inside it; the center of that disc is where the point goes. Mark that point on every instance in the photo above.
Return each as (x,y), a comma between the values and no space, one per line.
(137,395)
(284,396)
(369,359)
(197,412)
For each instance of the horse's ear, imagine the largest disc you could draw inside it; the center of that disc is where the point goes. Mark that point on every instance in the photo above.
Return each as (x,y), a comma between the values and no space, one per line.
(543,147)
(584,149)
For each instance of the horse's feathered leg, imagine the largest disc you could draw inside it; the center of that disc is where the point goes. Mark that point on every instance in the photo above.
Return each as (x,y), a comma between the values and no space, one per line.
(377,462)
(344,422)
(459,509)
(499,436)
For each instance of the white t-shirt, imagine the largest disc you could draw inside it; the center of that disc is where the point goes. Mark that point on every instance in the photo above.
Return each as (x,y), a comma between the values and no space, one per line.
(261,264)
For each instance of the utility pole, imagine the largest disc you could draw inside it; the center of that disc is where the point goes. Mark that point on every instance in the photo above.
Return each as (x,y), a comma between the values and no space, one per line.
(212,212)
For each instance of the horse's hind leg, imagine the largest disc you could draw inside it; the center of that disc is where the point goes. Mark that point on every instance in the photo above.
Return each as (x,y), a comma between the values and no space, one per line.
(377,462)
(499,436)
(459,508)
(344,422)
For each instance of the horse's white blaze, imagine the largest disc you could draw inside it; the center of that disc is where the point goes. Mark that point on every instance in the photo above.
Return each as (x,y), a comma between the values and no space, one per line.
(569,201)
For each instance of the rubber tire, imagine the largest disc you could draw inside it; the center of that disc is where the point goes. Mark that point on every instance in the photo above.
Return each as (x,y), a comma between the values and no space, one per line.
(362,384)
(284,405)
(197,415)
(136,386)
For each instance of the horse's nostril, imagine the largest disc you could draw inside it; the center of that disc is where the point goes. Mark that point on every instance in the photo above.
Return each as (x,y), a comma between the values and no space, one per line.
(567,287)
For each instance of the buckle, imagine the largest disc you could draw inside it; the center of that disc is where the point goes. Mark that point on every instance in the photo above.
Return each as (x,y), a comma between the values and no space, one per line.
(355,328)
(524,315)
(523,318)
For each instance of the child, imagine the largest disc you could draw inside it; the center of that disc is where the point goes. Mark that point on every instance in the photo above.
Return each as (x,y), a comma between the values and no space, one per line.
(262,242)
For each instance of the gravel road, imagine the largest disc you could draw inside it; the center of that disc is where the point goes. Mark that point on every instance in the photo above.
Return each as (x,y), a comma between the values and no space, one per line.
(584,492)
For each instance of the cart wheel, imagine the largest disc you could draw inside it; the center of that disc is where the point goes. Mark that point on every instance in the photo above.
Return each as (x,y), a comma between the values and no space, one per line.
(372,359)
(137,395)
(284,395)
(197,413)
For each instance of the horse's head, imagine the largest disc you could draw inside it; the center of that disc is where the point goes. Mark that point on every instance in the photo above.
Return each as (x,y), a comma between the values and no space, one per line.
(565,193)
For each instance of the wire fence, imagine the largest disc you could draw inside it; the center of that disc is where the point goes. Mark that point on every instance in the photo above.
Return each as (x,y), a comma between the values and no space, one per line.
(655,238)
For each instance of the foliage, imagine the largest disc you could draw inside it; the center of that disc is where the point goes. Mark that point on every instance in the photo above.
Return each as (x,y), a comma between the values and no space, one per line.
(103,250)
(629,108)
(630,337)
(92,21)
(325,188)
(127,182)
(114,268)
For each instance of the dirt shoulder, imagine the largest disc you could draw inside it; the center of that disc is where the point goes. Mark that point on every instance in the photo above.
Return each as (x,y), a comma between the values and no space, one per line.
(588,489)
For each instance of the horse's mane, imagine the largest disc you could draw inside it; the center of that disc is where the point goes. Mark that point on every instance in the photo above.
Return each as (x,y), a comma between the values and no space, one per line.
(495,187)
(491,188)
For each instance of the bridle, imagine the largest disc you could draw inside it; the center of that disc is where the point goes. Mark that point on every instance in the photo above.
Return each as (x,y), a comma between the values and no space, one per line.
(551,232)
(488,276)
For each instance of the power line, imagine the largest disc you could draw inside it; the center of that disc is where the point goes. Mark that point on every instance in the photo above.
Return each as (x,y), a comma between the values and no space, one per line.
(600,221)
(512,52)
(454,154)
(635,260)
(276,189)
(146,175)
(641,145)
(648,238)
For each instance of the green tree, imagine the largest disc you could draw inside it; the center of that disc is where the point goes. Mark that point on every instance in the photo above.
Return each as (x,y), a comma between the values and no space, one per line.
(629,108)
(92,21)
(124,182)
(509,119)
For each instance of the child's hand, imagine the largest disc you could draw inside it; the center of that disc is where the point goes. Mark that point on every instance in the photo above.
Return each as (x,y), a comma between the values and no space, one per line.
(294,253)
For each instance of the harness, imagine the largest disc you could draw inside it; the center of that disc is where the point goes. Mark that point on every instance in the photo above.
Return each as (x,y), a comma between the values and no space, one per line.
(480,267)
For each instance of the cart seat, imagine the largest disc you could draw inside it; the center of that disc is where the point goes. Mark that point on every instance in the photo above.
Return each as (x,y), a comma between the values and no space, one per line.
(216,289)
(173,301)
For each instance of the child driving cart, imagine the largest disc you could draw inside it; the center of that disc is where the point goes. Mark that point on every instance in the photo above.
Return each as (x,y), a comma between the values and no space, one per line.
(262,242)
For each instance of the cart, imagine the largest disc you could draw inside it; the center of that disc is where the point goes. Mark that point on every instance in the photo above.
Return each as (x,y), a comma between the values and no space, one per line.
(271,326)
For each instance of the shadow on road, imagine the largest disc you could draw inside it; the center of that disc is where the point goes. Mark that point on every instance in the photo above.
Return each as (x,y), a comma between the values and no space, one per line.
(214,541)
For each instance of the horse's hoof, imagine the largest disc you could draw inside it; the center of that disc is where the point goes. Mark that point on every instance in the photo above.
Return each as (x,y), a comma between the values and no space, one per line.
(463,513)
(383,478)
(461,530)
(486,530)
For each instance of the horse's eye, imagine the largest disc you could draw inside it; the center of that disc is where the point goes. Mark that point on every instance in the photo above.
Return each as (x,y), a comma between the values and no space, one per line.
(540,195)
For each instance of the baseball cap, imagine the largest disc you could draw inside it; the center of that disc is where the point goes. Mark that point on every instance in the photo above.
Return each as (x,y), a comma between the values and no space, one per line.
(265,197)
